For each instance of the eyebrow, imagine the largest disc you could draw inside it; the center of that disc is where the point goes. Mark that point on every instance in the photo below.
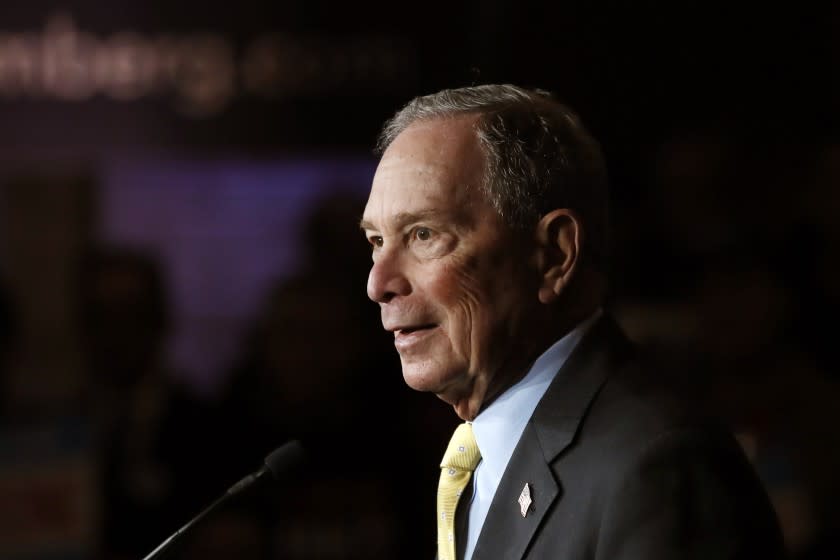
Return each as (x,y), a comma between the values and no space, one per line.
(403,218)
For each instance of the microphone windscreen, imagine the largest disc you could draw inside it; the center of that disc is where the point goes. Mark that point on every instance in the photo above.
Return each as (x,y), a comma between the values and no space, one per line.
(285,459)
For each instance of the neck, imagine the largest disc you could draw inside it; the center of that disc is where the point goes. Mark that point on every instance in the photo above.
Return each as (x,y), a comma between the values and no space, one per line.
(537,329)
(546,332)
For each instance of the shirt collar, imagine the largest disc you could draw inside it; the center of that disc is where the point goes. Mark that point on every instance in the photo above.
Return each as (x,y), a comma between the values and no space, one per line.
(498,427)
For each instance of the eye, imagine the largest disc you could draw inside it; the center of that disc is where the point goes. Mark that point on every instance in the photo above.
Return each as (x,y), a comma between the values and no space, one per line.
(423,234)
(426,242)
(376,240)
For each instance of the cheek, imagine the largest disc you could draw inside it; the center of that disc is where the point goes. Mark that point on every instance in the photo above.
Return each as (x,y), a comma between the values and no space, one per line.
(490,300)
(482,280)
(461,287)
(467,290)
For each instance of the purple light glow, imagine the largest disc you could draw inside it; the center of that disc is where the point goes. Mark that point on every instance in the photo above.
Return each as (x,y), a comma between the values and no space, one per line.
(225,232)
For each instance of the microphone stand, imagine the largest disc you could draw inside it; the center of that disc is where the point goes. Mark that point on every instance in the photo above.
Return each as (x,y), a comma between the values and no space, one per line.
(231,492)
(279,463)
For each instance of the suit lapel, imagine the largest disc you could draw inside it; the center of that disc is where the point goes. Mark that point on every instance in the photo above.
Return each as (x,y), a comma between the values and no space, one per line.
(506,533)
(552,428)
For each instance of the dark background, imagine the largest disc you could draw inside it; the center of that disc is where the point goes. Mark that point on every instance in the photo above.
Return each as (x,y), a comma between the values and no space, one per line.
(183,279)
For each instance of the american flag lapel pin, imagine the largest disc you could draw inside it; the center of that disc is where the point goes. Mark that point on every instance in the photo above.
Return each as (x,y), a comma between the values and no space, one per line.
(525,500)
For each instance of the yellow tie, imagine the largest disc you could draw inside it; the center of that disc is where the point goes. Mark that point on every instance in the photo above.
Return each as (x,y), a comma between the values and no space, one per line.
(459,461)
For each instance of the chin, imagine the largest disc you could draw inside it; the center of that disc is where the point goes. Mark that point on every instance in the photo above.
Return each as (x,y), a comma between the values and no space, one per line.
(423,376)
(420,379)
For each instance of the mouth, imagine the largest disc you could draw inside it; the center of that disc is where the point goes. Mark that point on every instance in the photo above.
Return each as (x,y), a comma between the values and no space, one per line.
(409,336)
(413,329)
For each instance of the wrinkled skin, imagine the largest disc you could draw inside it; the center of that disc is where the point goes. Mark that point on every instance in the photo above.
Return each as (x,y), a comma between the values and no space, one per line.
(453,283)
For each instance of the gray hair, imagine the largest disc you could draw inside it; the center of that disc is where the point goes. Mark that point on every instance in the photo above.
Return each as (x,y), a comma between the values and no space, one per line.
(539,155)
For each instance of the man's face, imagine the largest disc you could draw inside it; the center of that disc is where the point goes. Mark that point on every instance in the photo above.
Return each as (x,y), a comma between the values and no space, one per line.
(449,276)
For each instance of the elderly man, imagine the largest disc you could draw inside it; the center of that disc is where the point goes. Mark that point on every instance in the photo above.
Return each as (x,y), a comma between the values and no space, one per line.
(488,225)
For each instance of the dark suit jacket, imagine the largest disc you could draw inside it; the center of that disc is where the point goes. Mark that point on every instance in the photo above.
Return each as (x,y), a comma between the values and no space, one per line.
(619,469)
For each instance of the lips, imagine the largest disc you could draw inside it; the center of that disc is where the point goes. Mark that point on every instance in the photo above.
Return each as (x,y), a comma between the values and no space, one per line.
(410,337)
(412,329)
(405,325)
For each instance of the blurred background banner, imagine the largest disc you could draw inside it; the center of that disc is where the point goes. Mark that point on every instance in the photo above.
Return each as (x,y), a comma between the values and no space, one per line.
(182,279)
(253,74)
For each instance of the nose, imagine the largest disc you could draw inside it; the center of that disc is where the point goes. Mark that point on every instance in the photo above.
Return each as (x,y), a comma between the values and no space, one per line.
(387,279)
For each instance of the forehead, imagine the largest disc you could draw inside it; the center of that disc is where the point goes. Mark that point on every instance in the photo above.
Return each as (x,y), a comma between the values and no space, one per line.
(431,165)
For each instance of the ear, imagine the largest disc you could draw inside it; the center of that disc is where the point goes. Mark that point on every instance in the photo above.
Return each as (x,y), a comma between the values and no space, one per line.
(559,236)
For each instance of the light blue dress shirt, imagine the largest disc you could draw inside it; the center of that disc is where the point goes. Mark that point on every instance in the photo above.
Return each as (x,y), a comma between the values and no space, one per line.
(498,427)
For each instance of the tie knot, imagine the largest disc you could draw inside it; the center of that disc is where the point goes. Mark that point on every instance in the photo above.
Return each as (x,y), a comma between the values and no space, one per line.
(462,452)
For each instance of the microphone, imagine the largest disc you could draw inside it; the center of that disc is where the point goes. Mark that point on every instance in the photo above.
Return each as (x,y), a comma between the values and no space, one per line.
(279,463)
